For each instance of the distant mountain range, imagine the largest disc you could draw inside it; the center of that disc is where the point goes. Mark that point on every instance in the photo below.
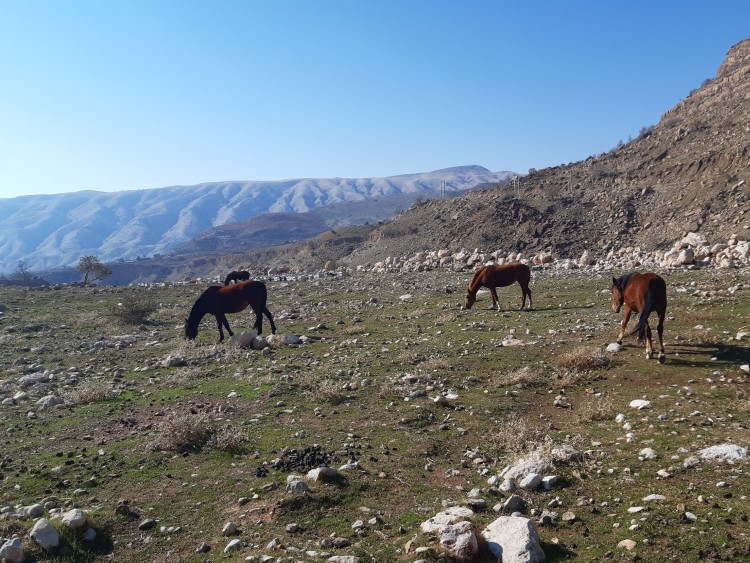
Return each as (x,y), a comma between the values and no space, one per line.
(53,231)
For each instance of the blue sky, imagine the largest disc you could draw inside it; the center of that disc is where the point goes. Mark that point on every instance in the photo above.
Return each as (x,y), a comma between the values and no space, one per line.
(131,94)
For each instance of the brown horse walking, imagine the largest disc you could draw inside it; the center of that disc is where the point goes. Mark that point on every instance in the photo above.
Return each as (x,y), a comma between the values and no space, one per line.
(641,294)
(499,276)
(219,300)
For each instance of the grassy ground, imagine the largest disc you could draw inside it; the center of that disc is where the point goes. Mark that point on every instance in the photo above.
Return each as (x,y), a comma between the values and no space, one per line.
(194,446)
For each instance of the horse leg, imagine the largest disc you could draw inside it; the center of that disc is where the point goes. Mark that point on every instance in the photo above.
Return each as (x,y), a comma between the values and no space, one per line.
(624,323)
(269,316)
(660,331)
(649,342)
(495,300)
(525,291)
(218,325)
(221,319)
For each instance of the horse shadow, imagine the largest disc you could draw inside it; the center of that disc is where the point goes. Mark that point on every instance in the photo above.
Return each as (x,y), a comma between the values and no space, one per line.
(724,353)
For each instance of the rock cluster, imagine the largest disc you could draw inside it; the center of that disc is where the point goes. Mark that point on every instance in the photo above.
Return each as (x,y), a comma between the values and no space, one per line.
(692,251)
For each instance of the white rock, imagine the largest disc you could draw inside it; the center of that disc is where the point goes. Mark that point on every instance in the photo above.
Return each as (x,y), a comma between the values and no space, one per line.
(640,404)
(44,534)
(745,368)
(449,516)
(12,551)
(531,481)
(648,453)
(460,541)
(322,474)
(243,339)
(723,451)
(172,361)
(514,539)
(549,481)
(74,519)
(651,498)
(614,347)
(232,545)
(526,467)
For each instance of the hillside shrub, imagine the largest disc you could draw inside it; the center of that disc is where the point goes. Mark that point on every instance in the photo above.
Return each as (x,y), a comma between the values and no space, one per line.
(134,310)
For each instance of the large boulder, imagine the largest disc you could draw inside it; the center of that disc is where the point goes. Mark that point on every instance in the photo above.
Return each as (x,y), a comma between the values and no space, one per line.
(514,539)
(44,534)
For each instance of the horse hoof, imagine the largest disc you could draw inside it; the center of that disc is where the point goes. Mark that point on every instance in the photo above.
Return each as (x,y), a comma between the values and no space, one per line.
(662,358)
(649,355)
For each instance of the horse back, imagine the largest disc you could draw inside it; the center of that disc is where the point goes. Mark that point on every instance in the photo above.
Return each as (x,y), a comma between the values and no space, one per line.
(642,287)
(507,274)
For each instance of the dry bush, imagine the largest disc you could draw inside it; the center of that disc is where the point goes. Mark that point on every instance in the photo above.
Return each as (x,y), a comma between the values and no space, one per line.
(515,435)
(134,309)
(597,409)
(521,376)
(353,330)
(230,439)
(185,432)
(583,358)
(434,363)
(89,392)
(329,391)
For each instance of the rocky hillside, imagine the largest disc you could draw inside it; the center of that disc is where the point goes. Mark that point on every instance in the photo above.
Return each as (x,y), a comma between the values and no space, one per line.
(690,172)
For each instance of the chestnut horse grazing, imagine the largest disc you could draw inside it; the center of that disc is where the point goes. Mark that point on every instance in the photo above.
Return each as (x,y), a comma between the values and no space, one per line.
(499,276)
(219,300)
(641,294)
(235,276)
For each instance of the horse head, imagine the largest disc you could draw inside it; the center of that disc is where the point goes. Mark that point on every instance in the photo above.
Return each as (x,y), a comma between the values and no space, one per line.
(191,330)
(470,299)
(617,296)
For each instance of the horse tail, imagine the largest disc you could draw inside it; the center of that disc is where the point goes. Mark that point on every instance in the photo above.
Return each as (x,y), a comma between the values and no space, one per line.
(648,306)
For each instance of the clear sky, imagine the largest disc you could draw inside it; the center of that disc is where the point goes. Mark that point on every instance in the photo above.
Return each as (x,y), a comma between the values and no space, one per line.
(132,94)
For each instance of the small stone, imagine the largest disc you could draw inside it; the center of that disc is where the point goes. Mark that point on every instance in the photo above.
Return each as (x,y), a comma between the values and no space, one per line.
(627,544)
(232,545)
(640,404)
(568,516)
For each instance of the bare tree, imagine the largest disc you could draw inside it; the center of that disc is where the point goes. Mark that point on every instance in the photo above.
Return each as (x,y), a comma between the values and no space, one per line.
(22,272)
(92,269)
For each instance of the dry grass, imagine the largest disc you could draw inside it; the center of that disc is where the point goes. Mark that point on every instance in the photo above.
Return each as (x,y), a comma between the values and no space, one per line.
(596,409)
(90,392)
(184,432)
(329,391)
(583,359)
(522,376)
(230,439)
(515,435)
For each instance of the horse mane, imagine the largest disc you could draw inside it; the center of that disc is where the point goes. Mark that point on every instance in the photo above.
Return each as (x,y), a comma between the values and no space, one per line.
(623,280)
(474,279)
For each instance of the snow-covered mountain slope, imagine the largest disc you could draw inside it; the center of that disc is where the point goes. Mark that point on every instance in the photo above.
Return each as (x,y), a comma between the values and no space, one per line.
(50,231)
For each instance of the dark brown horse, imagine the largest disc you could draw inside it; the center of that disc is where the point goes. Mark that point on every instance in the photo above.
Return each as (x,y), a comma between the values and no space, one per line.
(219,300)
(499,276)
(236,276)
(641,294)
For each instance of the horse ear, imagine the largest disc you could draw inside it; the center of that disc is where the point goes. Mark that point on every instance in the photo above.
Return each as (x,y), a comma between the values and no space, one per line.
(614,281)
